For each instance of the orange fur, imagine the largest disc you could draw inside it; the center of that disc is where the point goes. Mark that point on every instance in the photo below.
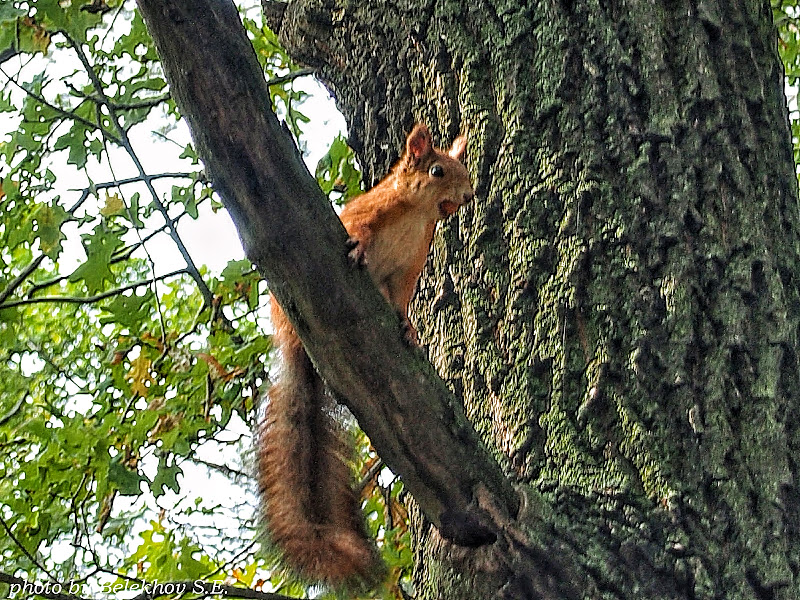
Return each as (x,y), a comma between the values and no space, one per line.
(311,509)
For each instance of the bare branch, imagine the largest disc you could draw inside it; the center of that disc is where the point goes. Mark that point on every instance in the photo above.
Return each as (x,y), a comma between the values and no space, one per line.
(281,79)
(223,469)
(7,54)
(20,279)
(290,231)
(144,103)
(370,475)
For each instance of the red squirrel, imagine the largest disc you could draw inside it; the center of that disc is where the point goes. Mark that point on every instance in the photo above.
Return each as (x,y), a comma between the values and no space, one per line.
(312,511)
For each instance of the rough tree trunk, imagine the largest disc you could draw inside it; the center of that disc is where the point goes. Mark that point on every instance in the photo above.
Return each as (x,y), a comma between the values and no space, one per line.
(618,310)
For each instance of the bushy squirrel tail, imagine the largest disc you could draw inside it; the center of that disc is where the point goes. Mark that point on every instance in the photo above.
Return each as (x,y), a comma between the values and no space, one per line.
(312,511)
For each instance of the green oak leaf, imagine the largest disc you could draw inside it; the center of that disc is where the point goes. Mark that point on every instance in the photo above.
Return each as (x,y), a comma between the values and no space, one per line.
(129,311)
(124,479)
(166,477)
(100,247)
(49,220)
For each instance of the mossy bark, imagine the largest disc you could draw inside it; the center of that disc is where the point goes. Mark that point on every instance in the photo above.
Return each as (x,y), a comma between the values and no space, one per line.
(618,309)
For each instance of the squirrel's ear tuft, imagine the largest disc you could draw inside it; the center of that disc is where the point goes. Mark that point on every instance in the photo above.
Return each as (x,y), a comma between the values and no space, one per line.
(418,143)
(459,148)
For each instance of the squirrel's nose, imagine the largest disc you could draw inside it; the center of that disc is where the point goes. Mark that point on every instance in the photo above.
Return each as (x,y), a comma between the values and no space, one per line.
(469,196)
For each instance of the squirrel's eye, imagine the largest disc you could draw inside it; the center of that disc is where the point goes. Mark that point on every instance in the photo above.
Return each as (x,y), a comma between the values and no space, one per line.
(436,171)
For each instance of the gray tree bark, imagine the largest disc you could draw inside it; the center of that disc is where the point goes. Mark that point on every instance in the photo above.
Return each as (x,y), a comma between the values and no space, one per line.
(619,309)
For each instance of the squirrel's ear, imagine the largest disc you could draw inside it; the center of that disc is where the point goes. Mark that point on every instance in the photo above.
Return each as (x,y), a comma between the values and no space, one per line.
(418,144)
(459,148)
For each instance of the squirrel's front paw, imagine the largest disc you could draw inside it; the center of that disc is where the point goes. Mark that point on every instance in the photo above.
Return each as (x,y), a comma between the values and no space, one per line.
(355,252)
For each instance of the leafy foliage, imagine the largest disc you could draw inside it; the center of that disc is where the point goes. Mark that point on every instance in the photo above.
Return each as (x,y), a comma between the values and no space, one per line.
(128,373)
(337,173)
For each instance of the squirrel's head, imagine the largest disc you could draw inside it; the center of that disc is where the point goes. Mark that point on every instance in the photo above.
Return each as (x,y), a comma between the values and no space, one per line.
(438,179)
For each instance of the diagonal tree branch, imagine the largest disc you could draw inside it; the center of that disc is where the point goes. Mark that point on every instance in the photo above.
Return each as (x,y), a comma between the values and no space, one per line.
(290,231)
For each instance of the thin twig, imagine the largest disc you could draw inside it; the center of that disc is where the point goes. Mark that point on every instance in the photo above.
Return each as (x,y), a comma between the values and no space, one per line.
(229,565)
(141,178)
(96,297)
(370,475)
(20,279)
(125,252)
(281,79)
(144,103)
(88,191)
(224,469)
(47,357)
